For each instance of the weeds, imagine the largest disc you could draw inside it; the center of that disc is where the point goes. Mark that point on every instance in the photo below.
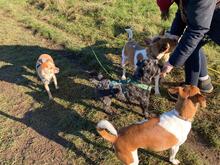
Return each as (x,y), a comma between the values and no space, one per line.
(77,25)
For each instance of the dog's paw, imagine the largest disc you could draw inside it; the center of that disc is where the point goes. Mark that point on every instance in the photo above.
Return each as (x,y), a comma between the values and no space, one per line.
(157,93)
(50,98)
(175,161)
(146,115)
(123,78)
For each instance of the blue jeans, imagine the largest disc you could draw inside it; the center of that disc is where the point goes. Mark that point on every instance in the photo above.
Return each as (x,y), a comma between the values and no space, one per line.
(196,66)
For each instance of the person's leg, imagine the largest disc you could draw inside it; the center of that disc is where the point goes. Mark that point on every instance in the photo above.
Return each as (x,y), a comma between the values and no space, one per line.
(204,84)
(196,72)
(193,68)
(203,71)
(214,31)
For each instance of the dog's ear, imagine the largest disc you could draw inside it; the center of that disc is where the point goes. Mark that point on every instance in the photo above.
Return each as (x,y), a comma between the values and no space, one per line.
(193,90)
(189,91)
(148,41)
(200,99)
(56,70)
(175,90)
(180,91)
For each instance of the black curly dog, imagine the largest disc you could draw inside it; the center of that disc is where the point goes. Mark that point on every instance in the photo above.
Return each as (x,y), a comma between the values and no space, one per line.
(130,92)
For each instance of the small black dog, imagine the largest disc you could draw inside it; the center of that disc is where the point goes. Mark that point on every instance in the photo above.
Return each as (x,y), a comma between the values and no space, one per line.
(131,91)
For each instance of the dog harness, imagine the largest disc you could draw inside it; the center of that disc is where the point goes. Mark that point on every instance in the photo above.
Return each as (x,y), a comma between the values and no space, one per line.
(130,81)
(38,65)
(175,125)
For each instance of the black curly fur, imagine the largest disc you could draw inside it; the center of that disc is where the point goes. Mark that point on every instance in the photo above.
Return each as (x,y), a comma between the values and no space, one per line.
(129,92)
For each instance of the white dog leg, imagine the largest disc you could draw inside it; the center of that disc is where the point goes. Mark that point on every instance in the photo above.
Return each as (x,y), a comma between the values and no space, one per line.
(123,77)
(156,88)
(135,158)
(48,91)
(173,153)
(123,59)
(55,82)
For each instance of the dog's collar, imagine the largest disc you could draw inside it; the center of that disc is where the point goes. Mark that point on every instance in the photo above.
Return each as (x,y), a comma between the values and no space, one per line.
(176,113)
(143,86)
(38,65)
(136,83)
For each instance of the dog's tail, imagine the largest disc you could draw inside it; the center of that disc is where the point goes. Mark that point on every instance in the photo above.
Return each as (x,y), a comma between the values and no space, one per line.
(130,34)
(104,125)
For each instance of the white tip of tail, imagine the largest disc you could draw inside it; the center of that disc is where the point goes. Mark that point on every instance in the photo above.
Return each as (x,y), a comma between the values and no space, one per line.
(104,124)
(130,33)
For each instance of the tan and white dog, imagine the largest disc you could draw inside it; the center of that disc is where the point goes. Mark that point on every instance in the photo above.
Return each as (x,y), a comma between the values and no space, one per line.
(157,48)
(169,131)
(46,70)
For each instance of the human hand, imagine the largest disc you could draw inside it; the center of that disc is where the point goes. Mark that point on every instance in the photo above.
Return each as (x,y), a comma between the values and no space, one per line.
(166,69)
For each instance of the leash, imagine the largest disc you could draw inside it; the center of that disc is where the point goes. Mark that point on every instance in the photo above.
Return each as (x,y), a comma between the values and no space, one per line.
(214,70)
(99,62)
(116,82)
(130,81)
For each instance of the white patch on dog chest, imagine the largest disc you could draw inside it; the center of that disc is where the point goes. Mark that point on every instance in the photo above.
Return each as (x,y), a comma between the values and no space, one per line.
(173,124)
(135,158)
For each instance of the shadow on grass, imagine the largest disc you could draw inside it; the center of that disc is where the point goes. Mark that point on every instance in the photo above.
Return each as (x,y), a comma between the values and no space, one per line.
(52,118)
(145,152)
(19,62)
(20,58)
(47,122)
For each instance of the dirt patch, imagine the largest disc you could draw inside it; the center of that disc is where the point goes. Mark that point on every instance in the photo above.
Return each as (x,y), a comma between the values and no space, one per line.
(210,156)
(36,131)
(20,142)
(35,149)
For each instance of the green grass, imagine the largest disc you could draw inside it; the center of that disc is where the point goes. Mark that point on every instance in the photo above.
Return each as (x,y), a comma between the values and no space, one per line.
(63,131)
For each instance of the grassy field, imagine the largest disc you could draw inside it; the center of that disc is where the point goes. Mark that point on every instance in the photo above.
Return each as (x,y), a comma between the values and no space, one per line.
(34,130)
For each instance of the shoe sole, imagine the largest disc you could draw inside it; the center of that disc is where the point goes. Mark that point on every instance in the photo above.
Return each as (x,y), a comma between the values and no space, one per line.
(207,91)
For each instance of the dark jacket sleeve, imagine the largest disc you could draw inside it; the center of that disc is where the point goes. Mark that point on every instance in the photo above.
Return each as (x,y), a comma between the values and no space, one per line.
(199,17)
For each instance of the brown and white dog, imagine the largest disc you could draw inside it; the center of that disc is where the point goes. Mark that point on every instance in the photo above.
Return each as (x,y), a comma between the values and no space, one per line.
(169,131)
(46,70)
(157,48)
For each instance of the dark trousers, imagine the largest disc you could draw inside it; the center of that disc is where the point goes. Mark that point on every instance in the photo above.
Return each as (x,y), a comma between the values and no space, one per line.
(214,32)
(196,66)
